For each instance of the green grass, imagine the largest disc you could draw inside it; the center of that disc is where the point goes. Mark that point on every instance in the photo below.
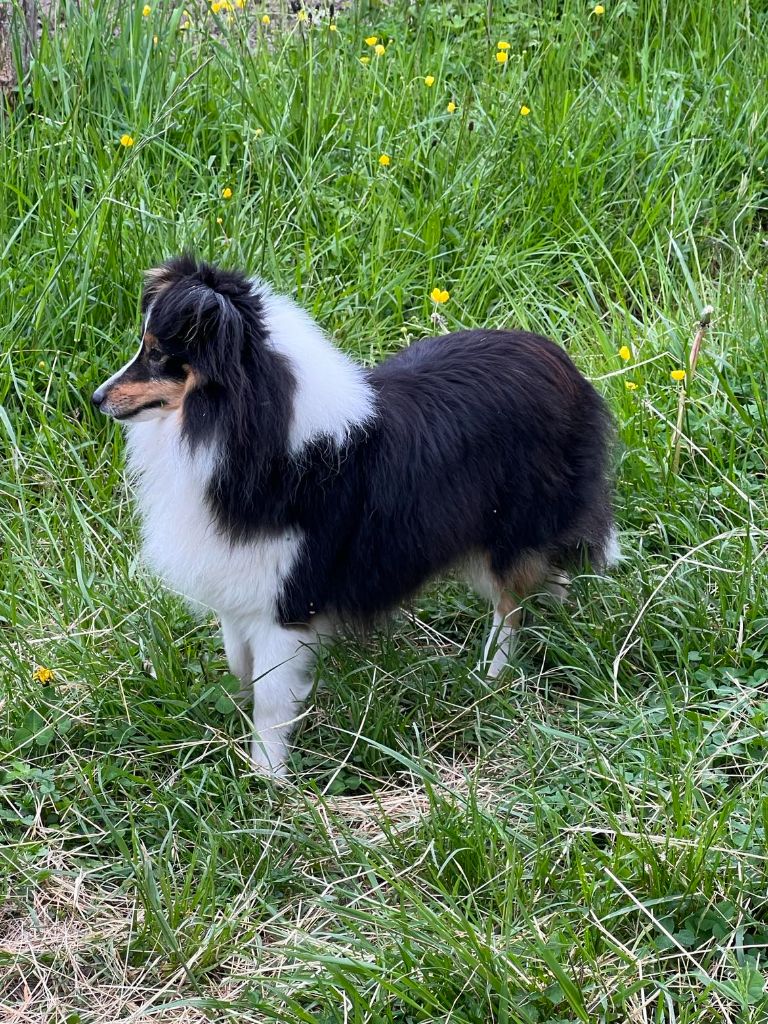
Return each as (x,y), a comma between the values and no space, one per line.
(586,840)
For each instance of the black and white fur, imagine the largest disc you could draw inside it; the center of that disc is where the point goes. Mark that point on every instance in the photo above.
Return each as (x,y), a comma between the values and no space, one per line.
(294,491)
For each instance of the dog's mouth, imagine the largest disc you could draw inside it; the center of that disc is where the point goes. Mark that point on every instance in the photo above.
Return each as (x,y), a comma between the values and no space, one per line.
(131,413)
(127,400)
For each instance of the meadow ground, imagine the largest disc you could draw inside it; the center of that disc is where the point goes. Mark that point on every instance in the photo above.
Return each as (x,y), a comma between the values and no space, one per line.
(584,840)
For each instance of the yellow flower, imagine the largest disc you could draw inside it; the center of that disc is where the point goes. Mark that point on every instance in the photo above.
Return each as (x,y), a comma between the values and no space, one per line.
(630,385)
(155,40)
(384,160)
(219,220)
(677,375)
(429,81)
(502,45)
(625,353)
(365,60)
(126,140)
(240,4)
(332,27)
(42,364)
(43,675)
(379,50)
(265,19)
(258,132)
(598,9)
(524,111)
(371,40)
(301,15)
(439,295)
(502,56)
(146,10)
(216,7)
(451,107)
(226,193)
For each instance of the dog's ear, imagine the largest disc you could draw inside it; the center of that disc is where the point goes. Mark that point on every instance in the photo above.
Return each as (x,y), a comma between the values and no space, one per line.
(159,278)
(217,335)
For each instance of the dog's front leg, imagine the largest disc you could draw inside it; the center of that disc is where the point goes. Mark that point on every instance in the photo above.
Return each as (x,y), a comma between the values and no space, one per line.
(282,679)
(239,657)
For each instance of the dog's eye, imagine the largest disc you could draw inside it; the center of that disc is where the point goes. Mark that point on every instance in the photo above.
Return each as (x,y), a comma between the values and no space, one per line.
(154,356)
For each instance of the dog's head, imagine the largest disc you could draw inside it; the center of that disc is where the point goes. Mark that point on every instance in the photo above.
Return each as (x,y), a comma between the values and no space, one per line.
(195,327)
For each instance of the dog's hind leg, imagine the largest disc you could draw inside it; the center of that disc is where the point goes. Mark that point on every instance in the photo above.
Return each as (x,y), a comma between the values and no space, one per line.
(557,584)
(500,643)
(507,590)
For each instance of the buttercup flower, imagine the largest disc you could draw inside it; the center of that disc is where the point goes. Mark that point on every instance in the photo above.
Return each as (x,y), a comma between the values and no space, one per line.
(364,60)
(257,132)
(126,140)
(502,45)
(379,50)
(371,40)
(146,10)
(630,385)
(301,15)
(384,160)
(598,9)
(524,111)
(624,353)
(43,675)
(429,81)
(265,19)
(677,375)
(219,220)
(226,193)
(502,56)
(332,27)
(439,295)
(451,107)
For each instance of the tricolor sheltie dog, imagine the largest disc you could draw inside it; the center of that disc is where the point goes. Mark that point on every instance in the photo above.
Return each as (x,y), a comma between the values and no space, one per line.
(295,492)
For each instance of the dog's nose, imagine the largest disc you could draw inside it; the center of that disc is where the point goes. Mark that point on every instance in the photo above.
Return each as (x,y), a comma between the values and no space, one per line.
(97,397)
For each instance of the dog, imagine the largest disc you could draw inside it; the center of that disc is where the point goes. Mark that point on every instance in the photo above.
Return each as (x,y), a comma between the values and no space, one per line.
(296,492)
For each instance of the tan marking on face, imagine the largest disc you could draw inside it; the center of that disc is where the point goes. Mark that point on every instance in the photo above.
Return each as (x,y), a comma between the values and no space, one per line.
(124,398)
(150,340)
(192,381)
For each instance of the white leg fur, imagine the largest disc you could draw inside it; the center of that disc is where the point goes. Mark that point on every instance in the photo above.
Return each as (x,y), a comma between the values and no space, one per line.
(613,553)
(239,656)
(282,680)
(500,644)
(558,585)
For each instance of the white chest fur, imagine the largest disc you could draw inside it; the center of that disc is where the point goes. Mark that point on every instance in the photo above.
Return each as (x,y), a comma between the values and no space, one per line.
(181,541)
